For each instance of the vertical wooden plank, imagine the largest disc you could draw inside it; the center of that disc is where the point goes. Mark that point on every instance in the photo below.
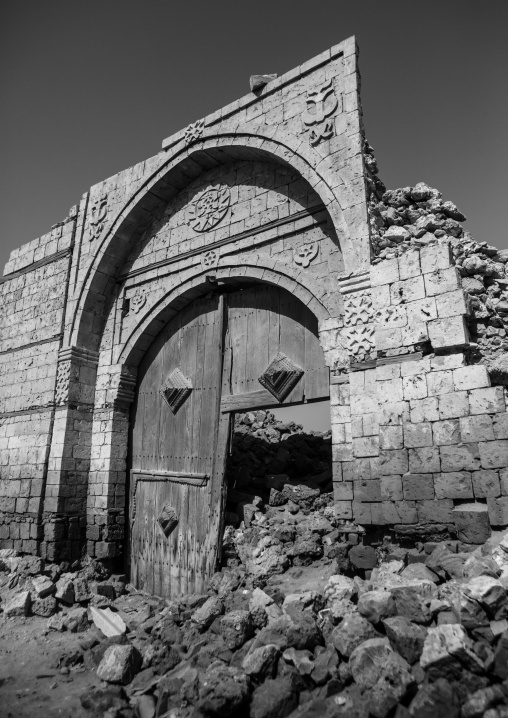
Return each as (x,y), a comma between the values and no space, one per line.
(317,374)
(201,502)
(170,359)
(257,334)
(238,343)
(292,339)
(273,323)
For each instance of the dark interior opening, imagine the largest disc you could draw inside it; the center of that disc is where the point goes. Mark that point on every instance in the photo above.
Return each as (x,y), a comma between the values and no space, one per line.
(275,463)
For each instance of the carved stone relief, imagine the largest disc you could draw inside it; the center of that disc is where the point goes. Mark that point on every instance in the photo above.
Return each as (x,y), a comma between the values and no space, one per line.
(63,377)
(209,208)
(321,104)
(193,131)
(98,214)
(137,301)
(210,259)
(305,254)
(358,308)
(360,341)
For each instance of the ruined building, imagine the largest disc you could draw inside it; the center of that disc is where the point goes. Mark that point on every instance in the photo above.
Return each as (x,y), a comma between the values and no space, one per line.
(255,261)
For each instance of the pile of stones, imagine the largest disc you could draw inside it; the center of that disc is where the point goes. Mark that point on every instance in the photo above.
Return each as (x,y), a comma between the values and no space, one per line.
(271,462)
(424,632)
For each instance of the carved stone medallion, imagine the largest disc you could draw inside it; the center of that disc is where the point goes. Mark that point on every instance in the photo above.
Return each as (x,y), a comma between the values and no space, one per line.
(210,208)
(305,254)
(321,104)
(193,131)
(98,214)
(176,389)
(280,376)
(210,259)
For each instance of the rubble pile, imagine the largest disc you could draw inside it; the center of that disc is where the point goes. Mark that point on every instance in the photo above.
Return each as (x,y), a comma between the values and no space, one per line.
(422,633)
(412,217)
(271,462)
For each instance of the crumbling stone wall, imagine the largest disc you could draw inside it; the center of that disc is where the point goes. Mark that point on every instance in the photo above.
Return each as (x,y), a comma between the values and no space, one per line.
(421,417)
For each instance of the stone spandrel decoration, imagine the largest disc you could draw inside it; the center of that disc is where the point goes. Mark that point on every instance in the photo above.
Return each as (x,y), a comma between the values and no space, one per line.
(98,214)
(280,376)
(193,131)
(176,389)
(321,105)
(137,301)
(210,259)
(209,208)
(306,254)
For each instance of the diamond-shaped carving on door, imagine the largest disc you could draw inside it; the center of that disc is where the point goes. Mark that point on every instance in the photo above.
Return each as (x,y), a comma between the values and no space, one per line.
(176,389)
(280,376)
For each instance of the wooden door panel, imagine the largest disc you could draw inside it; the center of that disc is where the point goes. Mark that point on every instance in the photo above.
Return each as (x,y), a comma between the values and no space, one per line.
(261,322)
(169,449)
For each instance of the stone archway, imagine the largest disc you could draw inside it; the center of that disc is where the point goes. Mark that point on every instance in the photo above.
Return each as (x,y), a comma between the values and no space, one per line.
(99,279)
(107,289)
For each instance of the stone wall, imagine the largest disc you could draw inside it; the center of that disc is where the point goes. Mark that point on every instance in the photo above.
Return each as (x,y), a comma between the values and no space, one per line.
(33,296)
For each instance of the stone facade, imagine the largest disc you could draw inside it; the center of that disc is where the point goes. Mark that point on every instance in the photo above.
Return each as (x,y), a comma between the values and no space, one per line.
(278,187)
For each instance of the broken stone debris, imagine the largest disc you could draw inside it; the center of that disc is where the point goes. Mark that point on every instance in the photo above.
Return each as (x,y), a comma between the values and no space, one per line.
(399,640)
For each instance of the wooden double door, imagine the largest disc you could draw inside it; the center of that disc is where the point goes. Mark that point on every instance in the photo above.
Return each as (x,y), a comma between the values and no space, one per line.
(231,351)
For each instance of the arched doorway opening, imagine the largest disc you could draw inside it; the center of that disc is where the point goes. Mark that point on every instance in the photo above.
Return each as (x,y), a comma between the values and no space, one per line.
(241,348)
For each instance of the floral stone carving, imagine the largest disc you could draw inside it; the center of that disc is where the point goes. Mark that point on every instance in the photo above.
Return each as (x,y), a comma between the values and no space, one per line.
(98,214)
(321,104)
(193,131)
(176,390)
(210,259)
(281,376)
(63,377)
(210,208)
(358,308)
(360,341)
(137,301)
(304,255)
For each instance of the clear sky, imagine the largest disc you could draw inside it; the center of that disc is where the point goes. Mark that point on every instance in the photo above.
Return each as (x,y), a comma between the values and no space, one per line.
(90,88)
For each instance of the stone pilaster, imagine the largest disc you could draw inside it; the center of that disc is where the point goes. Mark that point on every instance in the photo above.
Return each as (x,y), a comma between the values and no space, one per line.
(106,499)
(69,458)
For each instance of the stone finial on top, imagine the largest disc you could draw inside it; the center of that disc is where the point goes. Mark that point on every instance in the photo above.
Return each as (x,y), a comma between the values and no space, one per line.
(257,82)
